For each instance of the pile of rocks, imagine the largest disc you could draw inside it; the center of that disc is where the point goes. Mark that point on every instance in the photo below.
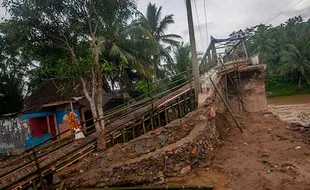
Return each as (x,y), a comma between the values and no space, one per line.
(166,152)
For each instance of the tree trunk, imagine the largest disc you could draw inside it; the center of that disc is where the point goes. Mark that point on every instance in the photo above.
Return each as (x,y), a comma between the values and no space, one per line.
(92,104)
(95,115)
(101,133)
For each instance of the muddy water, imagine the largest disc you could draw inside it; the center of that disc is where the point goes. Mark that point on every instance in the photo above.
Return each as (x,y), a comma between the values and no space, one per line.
(289,107)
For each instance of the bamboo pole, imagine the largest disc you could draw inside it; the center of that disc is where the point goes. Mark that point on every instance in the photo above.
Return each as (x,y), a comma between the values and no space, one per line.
(38,166)
(143,125)
(166,115)
(158,119)
(133,132)
(179,110)
(236,89)
(159,187)
(124,137)
(227,106)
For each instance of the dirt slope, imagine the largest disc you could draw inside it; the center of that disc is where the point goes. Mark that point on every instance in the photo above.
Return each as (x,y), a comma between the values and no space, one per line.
(268,155)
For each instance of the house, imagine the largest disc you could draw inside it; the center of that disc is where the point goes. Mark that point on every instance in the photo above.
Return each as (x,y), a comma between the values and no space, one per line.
(44,111)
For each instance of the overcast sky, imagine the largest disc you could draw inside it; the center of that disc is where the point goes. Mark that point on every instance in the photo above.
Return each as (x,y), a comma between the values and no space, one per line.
(224,16)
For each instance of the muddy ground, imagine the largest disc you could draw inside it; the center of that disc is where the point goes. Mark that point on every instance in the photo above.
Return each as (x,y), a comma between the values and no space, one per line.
(268,155)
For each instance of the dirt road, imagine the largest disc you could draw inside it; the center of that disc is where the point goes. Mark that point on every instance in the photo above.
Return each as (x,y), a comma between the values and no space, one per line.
(268,155)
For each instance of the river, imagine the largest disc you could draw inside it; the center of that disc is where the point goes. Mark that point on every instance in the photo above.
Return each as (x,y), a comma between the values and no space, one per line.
(289,107)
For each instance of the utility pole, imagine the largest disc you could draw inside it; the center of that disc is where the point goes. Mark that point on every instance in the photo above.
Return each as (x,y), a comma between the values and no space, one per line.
(193,48)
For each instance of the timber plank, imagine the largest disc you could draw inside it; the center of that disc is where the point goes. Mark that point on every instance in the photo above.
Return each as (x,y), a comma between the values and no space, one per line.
(81,146)
(24,172)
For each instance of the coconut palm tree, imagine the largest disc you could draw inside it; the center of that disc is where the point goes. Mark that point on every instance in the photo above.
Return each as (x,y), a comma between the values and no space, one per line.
(157,27)
(128,48)
(296,57)
(182,59)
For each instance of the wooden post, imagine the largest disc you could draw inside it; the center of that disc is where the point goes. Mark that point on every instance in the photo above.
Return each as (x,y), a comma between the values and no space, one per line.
(193,48)
(192,106)
(48,125)
(174,112)
(158,119)
(112,140)
(185,103)
(245,49)
(83,110)
(143,125)
(226,86)
(57,126)
(179,110)
(133,132)
(235,88)
(152,122)
(240,85)
(38,166)
(166,115)
(227,106)
(124,136)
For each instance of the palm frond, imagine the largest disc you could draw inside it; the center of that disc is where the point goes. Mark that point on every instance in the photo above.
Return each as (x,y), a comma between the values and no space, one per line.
(164,23)
(151,16)
(170,42)
(115,51)
(158,15)
(171,36)
(165,53)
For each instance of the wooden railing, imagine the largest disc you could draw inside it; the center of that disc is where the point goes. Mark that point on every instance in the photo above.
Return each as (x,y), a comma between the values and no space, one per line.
(150,115)
(150,112)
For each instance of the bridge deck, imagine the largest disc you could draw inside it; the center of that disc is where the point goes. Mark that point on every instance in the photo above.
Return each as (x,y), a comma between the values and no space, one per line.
(59,158)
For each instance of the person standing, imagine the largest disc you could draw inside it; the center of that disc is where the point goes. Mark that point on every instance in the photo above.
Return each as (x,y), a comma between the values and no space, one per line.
(74,124)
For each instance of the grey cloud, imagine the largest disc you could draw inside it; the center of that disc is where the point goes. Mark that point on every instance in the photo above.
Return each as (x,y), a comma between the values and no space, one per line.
(304,12)
(2,10)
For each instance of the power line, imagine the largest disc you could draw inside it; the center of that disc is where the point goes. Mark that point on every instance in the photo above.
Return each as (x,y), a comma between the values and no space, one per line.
(205,10)
(279,9)
(283,11)
(198,23)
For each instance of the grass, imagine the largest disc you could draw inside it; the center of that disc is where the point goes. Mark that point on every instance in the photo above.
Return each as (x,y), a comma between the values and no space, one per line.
(287,89)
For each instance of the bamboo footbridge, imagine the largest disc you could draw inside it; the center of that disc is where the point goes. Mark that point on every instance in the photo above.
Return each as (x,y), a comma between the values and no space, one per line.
(155,109)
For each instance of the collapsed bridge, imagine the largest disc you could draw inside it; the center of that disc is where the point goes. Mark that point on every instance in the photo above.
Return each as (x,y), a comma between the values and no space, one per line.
(236,76)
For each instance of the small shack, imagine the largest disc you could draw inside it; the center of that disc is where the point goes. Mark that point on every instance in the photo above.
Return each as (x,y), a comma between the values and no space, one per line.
(44,114)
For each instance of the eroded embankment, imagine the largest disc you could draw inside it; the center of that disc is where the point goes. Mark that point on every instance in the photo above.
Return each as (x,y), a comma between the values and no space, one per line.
(169,151)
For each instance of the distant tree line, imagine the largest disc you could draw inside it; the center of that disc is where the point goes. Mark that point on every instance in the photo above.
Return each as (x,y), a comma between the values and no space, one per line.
(95,42)
(285,49)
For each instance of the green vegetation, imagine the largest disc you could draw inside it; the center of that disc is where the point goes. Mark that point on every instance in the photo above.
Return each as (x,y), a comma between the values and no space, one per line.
(109,44)
(280,88)
(93,42)
(286,51)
